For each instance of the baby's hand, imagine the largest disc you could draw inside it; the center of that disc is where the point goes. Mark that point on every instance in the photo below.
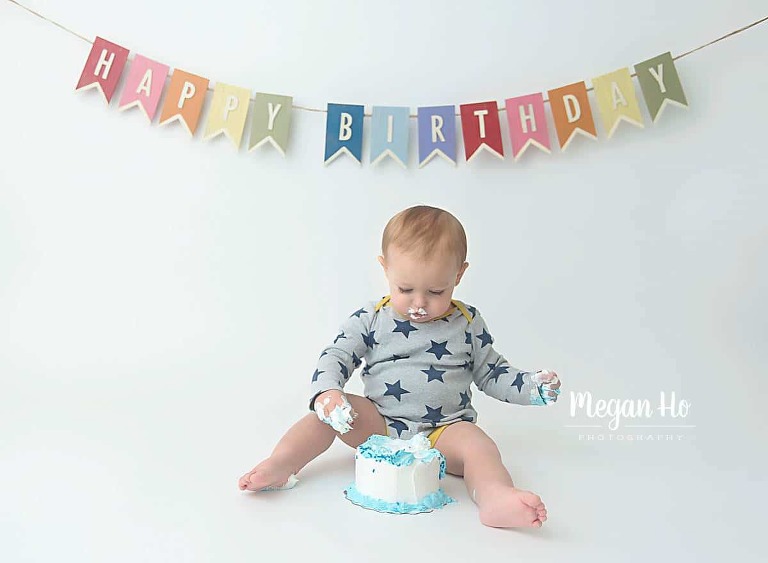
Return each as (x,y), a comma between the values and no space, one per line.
(333,408)
(549,385)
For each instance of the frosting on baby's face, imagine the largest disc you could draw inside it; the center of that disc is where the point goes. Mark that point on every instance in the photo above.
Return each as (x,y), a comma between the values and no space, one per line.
(421,289)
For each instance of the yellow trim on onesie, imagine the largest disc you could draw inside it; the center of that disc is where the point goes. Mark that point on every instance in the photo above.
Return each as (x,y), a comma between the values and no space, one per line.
(435,434)
(458,304)
(384,301)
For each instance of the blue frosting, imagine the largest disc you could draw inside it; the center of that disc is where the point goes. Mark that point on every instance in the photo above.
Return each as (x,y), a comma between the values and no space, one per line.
(432,501)
(376,448)
(539,397)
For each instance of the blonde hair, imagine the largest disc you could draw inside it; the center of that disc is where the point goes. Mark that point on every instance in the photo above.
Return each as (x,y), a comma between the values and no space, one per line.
(426,230)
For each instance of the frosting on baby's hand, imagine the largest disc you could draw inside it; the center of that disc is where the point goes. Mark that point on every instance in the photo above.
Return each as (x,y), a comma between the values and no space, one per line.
(547,387)
(340,418)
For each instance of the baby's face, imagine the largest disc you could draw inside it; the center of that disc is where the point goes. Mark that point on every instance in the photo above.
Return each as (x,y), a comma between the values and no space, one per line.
(421,289)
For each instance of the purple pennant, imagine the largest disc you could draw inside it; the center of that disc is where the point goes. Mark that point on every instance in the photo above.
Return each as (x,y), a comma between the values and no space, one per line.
(437,133)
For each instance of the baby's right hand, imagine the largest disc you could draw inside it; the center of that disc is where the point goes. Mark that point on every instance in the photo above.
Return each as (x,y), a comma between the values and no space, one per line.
(333,408)
(335,399)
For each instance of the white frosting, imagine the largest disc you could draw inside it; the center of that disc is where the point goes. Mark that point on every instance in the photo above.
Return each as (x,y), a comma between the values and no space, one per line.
(340,418)
(417,314)
(289,484)
(404,483)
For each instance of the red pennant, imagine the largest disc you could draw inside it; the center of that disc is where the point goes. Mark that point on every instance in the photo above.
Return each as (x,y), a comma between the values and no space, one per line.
(481,128)
(103,68)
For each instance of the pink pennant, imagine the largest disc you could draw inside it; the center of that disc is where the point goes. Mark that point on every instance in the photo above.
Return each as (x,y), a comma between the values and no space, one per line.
(144,85)
(527,123)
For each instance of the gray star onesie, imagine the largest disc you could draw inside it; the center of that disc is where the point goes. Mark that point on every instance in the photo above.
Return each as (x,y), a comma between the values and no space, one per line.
(419,374)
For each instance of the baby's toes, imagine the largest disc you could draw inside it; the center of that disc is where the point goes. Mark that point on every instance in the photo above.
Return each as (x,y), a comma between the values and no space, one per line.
(532,499)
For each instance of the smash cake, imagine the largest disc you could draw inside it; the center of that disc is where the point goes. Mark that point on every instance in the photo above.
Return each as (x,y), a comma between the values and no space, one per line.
(398,476)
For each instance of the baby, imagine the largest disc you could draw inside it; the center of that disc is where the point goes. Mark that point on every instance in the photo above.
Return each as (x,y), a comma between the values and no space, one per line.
(422,350)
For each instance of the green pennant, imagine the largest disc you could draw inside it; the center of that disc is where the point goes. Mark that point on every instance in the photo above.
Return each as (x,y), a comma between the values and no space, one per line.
(660,84)
(271,121)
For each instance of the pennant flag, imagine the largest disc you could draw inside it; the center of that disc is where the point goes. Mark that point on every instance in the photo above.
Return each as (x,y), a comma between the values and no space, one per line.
(660,84)
(271,121)
(571,113)
(389,134)
(437,133)
(344,132)
(527,123)
(143,86)
(184,99)
(103,67)
(616,100)
(481,128)
(229,108)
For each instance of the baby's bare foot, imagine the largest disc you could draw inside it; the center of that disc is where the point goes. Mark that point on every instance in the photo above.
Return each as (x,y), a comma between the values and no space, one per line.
(268,473)
(508,507)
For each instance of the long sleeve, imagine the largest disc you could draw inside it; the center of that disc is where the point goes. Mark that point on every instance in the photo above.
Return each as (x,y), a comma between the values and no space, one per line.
(493,374)
(338,360)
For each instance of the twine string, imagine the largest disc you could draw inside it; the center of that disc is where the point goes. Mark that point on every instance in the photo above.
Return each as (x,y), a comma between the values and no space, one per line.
(413,115)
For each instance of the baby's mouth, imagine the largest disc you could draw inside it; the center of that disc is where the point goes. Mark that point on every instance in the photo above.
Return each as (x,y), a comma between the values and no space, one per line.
(416,314)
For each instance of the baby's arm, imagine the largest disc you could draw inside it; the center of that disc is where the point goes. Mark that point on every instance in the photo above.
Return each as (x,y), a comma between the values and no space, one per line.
(335,366)
(495,377)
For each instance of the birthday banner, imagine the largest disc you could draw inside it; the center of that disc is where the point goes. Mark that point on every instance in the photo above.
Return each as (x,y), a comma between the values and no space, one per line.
(571,111)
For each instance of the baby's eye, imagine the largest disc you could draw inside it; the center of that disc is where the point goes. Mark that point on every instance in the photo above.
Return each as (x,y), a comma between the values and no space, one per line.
(437,292)
(404,290)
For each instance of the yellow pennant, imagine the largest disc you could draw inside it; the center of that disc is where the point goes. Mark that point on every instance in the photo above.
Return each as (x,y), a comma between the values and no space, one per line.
(616,100)
(229,109)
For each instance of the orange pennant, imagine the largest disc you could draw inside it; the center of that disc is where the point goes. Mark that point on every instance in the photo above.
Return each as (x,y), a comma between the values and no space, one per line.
(184,99)
(571,113)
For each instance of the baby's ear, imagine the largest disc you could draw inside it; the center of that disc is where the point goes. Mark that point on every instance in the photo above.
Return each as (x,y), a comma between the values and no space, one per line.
(461,272)
(381,261)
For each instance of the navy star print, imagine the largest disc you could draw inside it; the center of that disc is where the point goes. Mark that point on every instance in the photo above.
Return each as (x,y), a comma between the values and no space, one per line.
(358,313)
(317,372)
(395,357)
(439,349)
(369,339)
(518,382)
(355,360)
(496,370)
(395,390)
(344,370)
(433,415)
(467,338)
(464,400)
(404,327)
(485,338)
(341,335)
(472,310)
(399,426)
(433,373)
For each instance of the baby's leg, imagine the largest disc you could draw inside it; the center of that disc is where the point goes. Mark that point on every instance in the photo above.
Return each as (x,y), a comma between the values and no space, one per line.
(303,442)
(367,422)
(306,440)
(470,453)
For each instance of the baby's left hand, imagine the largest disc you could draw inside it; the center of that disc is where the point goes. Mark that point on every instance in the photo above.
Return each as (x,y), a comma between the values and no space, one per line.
(549,384)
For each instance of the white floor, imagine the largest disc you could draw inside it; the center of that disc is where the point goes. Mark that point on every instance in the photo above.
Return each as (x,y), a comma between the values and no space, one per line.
(97,472)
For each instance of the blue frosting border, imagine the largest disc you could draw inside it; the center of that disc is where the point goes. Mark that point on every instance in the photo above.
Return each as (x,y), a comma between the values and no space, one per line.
(374,448)
(431,502)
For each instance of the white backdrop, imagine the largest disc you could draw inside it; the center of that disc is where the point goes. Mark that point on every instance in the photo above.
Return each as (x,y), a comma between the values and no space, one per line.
(163,300)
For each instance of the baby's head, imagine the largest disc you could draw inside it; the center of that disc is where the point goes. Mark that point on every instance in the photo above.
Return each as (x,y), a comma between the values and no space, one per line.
(424,251)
